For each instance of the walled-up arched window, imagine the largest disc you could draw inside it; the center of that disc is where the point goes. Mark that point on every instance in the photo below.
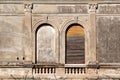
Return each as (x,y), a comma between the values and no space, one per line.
(45,44)
(75,45)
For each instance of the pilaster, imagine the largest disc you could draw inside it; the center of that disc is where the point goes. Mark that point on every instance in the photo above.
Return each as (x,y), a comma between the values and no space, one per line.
(92,33)
(28,26)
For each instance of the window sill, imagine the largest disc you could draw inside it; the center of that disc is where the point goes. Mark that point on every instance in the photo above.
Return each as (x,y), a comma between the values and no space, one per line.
(75,65)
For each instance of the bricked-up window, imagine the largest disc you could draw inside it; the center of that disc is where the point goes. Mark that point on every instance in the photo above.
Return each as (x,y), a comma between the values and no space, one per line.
(75,45)
(45,38)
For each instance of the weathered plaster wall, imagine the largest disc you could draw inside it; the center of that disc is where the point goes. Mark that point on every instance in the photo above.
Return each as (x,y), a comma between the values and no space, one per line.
(12,38)
(109,9)
(60,8)
(108,37)
(11,8)
(46,44)
(20,19)
(108,33)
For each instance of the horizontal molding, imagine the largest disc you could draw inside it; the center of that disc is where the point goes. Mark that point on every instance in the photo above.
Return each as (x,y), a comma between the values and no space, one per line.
(109,64)
(12,14)
(107,14)
(60,1)
(64,14)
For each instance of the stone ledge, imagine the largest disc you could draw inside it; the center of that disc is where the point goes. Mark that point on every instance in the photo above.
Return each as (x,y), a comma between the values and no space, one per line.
(60,1)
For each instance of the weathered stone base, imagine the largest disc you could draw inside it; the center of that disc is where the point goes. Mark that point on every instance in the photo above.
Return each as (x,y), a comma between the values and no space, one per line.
(59,74)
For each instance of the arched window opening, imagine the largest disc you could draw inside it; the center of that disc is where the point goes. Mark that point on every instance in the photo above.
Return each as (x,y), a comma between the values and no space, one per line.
(75,45)
(45,38)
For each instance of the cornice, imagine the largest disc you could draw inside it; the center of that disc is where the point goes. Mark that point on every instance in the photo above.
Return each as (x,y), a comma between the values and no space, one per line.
(60,1)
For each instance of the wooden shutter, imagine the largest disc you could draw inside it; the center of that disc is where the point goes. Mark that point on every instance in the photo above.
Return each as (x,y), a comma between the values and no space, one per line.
(75,47)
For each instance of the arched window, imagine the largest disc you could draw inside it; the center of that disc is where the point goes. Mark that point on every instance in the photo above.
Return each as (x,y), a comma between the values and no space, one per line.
(75,45)
(45,38)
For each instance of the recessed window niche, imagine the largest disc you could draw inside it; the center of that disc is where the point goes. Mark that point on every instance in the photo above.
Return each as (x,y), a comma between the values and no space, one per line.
(45,44)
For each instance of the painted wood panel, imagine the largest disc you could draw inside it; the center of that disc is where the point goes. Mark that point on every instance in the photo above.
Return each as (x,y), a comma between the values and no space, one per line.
(75,45)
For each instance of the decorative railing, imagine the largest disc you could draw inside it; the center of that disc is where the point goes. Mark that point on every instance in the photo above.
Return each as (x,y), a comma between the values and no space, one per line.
(75,70)
(44,70)
(58,70)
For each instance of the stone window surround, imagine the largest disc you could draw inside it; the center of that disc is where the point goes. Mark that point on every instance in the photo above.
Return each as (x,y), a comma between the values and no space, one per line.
(60,41)
(90,37)
(63,43)
(56,41)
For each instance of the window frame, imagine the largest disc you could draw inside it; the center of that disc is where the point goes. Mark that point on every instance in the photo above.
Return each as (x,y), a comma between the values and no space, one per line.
(37,26)
(87,44)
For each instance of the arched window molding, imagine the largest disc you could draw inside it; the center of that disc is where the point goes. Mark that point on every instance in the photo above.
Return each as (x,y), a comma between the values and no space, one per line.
(88,48)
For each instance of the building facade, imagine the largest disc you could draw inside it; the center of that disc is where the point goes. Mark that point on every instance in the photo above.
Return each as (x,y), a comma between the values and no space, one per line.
(59,39)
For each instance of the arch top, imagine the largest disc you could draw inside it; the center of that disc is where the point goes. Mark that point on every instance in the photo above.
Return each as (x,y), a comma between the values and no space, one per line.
(73,22)
(75,29)
(77,24)
(43,24)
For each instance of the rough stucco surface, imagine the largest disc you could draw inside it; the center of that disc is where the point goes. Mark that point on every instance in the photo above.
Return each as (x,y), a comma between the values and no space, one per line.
(83,8)
(11,38)
(19,20)
(11,8)
(108,39)
(109,9)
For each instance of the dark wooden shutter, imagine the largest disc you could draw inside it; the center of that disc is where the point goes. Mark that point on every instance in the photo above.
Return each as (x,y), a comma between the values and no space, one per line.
(75,45)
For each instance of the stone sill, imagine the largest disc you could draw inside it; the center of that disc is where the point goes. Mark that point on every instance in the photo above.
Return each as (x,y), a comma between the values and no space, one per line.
(57,65)
(75,65)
